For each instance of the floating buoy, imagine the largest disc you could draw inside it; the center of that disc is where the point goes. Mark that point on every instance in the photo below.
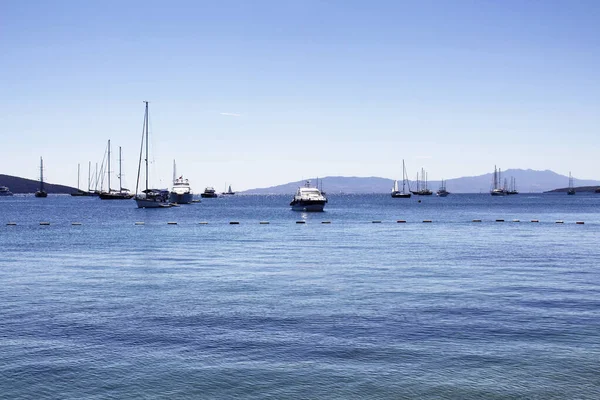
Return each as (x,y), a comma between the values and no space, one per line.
(203,223)
(11,224)
(535,220)
(579,222)
(76,223)
(264,222)
(376,222)
(516,220)
(419,201)
(476,220)
(234,223)
(427,220)
(325,222)
(140,223)
(171,223)
(401,221)
(44,223)
(499,220)
(300,222)
(560,222)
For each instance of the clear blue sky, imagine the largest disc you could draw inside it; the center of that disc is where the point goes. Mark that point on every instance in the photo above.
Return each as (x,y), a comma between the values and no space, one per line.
(258,93)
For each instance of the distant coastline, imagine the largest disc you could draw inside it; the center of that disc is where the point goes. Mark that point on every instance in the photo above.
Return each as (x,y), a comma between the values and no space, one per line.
(19,185)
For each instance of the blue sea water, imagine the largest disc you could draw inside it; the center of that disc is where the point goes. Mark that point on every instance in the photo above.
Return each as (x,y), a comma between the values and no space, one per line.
(451,309)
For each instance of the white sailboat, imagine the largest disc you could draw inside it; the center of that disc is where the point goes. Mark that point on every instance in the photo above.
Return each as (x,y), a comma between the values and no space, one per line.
(148,198)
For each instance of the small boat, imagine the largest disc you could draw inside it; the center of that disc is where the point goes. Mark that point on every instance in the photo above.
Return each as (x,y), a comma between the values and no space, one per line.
(401,194)
(4,191)
(308,199)
(422,190)
(571,190)
(513,187)
(41,192)
(442,192)
(79,192)
(149,198)
(122,193)
(181,192)
(209,192)
(496,189)
(228,191)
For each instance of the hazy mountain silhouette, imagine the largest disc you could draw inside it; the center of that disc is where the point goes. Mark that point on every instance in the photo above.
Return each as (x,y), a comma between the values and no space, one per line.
(22,185)
(527,181)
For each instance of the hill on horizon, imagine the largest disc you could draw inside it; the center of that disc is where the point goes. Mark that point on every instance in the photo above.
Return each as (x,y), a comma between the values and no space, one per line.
(23,185)
(528,181)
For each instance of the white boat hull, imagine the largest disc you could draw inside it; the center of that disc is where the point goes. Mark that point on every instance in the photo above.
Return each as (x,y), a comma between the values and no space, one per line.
(151,203)
(181,198)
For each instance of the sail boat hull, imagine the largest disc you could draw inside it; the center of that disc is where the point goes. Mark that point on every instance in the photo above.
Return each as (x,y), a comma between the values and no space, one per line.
(151,203)
(115,196)
(400,195)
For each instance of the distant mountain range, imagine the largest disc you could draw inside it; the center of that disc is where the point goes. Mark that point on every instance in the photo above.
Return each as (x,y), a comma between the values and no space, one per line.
(22,185)
(527,181)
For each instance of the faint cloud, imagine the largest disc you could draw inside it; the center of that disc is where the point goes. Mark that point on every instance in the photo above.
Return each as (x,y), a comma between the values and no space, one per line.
(230,114)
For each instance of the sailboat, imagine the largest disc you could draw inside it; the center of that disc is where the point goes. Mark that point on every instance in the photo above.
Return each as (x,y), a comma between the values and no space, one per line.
(148,198)
(41,192)
(496,189)
(422,191)
(571,190)
(122,193)
(513,186)
(228,191)
(442,192)
(403,194)
(79,192)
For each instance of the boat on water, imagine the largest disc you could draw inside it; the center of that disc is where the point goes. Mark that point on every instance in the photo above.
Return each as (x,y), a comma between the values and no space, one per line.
(228,192)
(209,192)
(4,191)
(122,193)
(41,192)
(571,190)
(181,192)
(442,192)
(79,192)
(422,189)
(397,194)
(496,189)
(308,199)
(512,189)
(148,198)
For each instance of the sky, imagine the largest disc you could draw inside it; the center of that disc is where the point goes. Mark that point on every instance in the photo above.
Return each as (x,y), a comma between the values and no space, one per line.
(261,93)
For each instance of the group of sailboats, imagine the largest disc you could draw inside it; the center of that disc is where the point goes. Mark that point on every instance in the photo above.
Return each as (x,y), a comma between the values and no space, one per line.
(422,189)
(505,189)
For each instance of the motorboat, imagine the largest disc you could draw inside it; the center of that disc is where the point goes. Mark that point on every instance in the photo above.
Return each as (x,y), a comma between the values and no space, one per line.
(4,191)
(209,192)
(308,199)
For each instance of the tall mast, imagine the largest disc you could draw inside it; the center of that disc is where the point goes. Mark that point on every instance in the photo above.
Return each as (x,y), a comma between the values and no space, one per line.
(120,175)
(41,174)
(108,166)
(403,177)
(146,147)
(77,176)
(89,175)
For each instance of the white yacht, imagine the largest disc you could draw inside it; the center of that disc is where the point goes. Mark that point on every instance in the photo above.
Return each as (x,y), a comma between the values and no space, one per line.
(4,191)
(308,199)
(181,192)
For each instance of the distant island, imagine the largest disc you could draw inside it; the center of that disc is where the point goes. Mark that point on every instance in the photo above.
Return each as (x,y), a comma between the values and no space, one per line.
(528,181)
(23,185)
(584,189)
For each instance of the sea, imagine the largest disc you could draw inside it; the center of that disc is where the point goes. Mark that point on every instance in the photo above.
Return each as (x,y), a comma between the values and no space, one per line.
(107,301)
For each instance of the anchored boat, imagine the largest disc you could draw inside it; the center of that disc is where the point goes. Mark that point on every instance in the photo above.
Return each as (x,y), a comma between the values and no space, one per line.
(308,199)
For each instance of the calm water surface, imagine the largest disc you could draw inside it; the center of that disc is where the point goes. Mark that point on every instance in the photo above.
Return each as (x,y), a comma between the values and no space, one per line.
(445,310)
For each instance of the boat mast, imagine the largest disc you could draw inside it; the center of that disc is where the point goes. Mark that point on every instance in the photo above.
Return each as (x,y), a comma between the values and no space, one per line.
(120,175)
(174,172)
(41,174)
(89,175)
(108,172)
(146,147)
(78,176)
